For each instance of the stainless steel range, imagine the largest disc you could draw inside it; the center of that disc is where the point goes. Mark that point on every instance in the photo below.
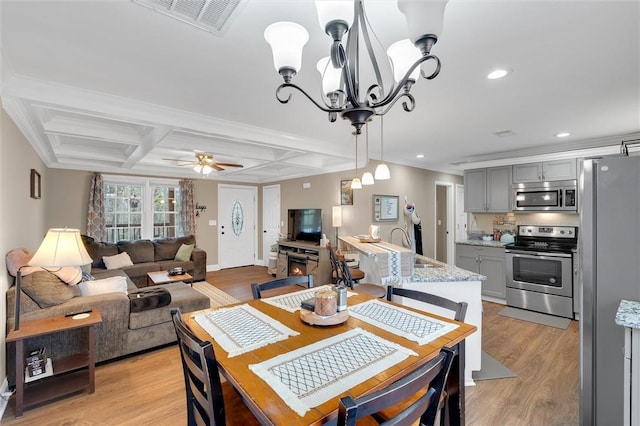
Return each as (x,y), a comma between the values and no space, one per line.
(540,269)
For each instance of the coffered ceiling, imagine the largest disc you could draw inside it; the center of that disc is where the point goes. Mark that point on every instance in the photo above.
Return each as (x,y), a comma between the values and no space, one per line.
(114,86)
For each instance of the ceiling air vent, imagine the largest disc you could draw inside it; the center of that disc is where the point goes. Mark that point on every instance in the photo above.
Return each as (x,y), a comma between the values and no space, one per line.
(210,15)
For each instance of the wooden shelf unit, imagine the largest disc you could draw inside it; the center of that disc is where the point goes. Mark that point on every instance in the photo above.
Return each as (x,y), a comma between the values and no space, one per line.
(70,374)
(316,259)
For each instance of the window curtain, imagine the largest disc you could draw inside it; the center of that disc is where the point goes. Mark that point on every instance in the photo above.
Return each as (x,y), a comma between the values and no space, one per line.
(187,224)
(96,226)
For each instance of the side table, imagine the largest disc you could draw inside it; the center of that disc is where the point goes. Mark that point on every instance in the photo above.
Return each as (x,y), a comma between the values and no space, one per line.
(70,374)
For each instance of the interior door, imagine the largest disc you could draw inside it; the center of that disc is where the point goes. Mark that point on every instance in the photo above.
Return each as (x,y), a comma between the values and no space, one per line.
(270,219)
(237,236)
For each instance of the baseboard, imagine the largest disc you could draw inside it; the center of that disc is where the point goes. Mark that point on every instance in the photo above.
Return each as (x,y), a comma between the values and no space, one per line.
(494,300)
(4,402)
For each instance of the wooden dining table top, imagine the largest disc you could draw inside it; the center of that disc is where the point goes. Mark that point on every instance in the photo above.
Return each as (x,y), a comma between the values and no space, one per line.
(269,407)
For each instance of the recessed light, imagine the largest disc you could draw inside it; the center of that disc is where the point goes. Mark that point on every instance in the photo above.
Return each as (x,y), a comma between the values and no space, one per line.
(562,134)
(498,73)
(420,156)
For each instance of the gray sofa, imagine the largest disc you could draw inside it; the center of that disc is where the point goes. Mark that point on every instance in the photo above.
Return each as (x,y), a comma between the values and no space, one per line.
(148,256)
(121,332)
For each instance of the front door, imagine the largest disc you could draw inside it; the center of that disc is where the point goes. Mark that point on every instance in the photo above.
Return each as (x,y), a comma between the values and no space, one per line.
(237,237)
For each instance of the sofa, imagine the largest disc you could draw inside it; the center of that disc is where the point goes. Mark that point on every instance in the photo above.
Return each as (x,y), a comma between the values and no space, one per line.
(121,332)
(148,256)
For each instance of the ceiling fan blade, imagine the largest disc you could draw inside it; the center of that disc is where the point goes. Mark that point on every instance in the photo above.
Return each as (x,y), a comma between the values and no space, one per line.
(216,167)
(228,164)
(180,161)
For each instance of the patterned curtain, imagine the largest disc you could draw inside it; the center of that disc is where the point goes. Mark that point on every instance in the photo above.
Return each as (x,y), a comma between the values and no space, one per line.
(187,223)
(96,227)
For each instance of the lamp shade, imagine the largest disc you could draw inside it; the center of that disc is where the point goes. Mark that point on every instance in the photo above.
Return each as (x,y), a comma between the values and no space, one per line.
(423,17)
(356,184)
(61,247)
(336,216)
(382,172)
(367,178)
(403,54)
(330,76)
(334,10)
(287,40)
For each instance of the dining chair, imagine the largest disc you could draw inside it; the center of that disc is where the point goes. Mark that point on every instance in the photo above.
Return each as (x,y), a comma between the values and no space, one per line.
(356,274)
(257,289)
(209,402)
(374,290)
(459,310)
(423,387)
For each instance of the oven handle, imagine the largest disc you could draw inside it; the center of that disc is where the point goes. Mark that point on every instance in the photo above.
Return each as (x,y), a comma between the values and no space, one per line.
(537,254)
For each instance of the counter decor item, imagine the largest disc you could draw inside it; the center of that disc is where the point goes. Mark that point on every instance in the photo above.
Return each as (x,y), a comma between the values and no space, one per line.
(507,238)
(326,303)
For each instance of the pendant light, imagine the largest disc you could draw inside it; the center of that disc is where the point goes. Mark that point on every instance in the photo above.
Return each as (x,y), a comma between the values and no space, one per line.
(355,183)
(367,177)
(382,171)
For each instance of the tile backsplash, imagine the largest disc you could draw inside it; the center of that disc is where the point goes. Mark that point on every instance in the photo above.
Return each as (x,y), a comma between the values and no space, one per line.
(488,221)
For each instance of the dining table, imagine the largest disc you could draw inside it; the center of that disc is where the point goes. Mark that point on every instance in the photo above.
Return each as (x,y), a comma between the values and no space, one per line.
(291,367)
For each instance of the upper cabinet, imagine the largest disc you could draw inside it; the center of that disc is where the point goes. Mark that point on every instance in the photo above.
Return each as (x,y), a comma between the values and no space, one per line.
(545,171)
(487,190)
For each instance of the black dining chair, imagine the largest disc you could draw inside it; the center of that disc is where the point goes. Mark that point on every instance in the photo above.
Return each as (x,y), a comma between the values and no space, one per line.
(209,402)
(305,280)
(336,271)
(423,387)
(459,311)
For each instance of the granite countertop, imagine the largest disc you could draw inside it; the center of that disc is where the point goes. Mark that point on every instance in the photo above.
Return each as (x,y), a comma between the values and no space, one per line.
(483,243)
(628,314)
(442,272)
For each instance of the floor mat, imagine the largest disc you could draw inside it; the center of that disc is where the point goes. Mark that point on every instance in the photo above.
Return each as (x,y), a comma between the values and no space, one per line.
(218,297)
(544,319)
(492,369)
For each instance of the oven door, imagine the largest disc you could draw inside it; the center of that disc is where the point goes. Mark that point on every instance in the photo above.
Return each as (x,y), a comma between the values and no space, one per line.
(550,273)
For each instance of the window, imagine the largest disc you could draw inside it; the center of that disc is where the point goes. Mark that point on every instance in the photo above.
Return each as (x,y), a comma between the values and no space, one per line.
(137,208)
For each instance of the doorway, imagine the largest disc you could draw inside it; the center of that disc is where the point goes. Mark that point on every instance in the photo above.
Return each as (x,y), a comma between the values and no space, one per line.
(444,221)
(237,236)
(270,219)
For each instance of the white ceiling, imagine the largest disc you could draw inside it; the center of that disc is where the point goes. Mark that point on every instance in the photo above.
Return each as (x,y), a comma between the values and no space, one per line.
(113,86)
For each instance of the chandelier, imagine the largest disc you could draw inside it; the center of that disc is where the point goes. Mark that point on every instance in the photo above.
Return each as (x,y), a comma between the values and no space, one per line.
(341,70)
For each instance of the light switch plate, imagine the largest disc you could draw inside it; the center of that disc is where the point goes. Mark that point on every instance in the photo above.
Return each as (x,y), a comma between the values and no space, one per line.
(212,222)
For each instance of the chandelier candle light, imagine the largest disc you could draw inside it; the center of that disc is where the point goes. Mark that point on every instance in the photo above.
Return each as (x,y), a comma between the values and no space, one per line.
(341,70)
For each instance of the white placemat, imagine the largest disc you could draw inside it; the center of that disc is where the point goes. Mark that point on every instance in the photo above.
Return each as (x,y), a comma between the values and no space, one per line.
(314,374)
(402,322)
(242,328)
(291,301)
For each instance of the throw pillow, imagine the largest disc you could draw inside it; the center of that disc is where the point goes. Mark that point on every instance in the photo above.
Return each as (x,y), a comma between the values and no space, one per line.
(117,261)
(184,253)
(46,289)
(102,286)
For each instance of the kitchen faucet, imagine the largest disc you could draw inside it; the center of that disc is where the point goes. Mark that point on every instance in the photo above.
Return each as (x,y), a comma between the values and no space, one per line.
(407,238)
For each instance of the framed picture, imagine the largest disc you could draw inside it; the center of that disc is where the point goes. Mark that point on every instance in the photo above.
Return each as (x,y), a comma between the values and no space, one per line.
(36,189)
(346,193)
(386,208)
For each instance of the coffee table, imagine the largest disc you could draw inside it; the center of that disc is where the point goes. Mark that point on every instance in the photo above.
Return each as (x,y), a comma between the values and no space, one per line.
(163,277)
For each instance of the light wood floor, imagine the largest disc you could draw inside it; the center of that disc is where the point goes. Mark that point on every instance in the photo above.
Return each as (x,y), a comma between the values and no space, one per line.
(148,388)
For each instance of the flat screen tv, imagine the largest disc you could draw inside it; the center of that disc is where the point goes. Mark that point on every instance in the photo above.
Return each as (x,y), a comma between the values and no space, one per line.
(305,225)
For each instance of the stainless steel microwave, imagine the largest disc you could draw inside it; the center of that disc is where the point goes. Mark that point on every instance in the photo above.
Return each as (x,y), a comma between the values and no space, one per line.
(546,196)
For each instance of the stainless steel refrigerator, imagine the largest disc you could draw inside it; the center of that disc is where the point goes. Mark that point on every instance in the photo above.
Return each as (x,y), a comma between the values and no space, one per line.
(609,249)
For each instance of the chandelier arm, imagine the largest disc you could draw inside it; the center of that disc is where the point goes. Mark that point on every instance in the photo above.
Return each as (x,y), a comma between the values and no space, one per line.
(352,96)
(407,107)
(291,85)
(367,42)
(435,73)
(391,96)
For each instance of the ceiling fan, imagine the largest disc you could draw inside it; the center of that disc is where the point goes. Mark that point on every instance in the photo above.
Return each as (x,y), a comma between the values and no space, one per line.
(203,163)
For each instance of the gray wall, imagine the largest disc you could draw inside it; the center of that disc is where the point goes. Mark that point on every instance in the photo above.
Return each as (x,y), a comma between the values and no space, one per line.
(22,218)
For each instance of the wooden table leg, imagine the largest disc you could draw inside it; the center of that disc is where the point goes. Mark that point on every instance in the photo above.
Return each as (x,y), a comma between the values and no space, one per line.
(19,378)
(92,360)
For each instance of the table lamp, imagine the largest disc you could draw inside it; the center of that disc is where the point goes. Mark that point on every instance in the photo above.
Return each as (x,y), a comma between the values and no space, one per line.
(60,247)
(336,220)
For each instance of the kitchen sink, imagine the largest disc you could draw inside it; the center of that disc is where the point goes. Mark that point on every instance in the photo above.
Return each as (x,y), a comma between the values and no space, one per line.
(423,264)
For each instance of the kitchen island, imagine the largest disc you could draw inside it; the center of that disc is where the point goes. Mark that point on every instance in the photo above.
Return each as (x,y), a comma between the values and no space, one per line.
(416,272)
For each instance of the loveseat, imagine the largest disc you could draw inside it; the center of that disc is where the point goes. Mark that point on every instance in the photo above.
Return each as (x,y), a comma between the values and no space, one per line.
(148,256)
(121,332)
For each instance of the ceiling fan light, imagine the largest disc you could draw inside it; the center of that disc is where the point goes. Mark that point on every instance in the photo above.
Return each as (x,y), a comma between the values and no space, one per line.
(423,17)
(367,179)
(287,40)
(356,184)
(403,54)
(382,172)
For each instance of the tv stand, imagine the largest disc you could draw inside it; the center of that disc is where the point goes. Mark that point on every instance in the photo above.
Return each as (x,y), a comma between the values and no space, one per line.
(309,256)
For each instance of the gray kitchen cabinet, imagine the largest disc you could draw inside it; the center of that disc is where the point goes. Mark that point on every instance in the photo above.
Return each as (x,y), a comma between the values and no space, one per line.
(546,171)
(487,190)
(487,261)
